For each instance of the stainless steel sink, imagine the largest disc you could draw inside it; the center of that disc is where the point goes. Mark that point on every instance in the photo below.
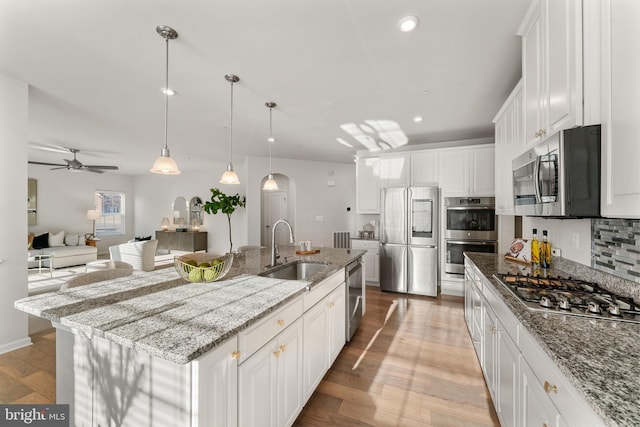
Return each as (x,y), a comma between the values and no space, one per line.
(296,271)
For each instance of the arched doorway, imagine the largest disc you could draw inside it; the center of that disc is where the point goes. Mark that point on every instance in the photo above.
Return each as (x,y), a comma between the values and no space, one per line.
(275,205)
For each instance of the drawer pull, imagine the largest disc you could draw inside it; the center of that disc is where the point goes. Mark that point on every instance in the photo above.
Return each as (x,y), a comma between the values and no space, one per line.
(235,355)
(548,387)
(280,322)
(276,354)
(493,329)
(283,348)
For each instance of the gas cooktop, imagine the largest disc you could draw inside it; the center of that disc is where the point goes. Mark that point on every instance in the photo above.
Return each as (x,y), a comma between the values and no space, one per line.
(570,296)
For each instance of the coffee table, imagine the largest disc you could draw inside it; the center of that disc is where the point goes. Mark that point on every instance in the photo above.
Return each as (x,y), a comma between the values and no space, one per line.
(41,258)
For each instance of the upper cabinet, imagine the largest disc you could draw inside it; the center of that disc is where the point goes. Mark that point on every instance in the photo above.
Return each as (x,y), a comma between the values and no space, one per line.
(468,171)
(620,109)
(552,67)
(368,185)
(424,168)
(509,143)
(395,170)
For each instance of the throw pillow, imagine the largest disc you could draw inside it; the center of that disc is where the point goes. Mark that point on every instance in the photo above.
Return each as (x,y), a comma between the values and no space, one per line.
(71,240)
(56,239)
(41,241)
(140,239)
(30,240)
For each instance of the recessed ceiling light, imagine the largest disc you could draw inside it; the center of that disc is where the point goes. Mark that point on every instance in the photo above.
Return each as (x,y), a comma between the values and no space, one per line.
(408,23)
(169,91)
(417,119)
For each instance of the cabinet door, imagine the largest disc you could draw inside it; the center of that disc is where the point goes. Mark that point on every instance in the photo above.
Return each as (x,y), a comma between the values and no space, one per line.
(621,109)
(424,168)
(216,383)
(454,172)
(536,407)
(257,390)
(371,267)
(507,378)
(394,170)
(289,361)
(337,319)
(533,76)
(483,172)
(564,64)
(368,186)
(489,335)
(316,356)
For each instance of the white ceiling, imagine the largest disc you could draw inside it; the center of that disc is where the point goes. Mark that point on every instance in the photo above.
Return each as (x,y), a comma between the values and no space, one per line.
(96,68)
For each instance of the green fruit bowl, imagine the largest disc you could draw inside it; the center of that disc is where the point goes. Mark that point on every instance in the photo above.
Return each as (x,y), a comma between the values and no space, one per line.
(202,267)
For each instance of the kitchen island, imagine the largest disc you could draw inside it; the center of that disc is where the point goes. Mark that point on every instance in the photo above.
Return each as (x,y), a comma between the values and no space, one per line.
(154,349)
(562,369)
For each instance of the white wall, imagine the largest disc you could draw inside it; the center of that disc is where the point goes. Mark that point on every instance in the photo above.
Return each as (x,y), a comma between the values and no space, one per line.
(155,195)
(314,197)
(562,234)
(13,211)
(64,198)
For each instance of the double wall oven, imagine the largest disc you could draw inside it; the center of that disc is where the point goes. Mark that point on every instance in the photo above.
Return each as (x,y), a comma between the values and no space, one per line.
(470,226)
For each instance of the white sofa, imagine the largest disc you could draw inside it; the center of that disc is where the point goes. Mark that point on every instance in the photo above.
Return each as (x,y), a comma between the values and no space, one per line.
(64,249)
(141,254)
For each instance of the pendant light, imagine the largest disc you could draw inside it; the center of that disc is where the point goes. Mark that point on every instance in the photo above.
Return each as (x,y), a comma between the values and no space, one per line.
(270,184)
(229,176)
(165,164)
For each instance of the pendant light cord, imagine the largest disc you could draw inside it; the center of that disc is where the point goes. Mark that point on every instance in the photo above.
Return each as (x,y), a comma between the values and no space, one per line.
(271,138)
(231,128)
(166,94)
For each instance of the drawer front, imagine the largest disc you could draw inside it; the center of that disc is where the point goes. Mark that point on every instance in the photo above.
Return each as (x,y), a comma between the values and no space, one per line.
(254,337)
(322,289)
(365,245)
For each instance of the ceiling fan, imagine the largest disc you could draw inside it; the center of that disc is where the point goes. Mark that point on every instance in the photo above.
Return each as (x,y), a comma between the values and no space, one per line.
(75,165)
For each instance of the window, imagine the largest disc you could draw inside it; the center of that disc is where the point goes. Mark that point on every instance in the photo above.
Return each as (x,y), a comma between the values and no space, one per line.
(112,206)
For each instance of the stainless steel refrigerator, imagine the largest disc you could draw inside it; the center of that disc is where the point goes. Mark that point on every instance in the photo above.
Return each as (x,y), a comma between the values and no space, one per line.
(409,240)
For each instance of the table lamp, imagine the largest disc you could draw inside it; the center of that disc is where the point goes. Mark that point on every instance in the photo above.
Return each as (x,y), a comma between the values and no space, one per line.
(93,215)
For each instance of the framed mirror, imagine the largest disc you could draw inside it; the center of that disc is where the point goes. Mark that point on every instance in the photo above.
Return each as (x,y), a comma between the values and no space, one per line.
(32,201)
(180,211)
(195,211)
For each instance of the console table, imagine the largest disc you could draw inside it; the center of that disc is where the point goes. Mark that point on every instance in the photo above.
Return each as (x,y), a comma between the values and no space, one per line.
(191,241)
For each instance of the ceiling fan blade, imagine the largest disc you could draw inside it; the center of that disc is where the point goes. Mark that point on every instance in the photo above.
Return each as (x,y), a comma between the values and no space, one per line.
(113,168)
(46,164)
(60,167)
(91,169)
(49,147)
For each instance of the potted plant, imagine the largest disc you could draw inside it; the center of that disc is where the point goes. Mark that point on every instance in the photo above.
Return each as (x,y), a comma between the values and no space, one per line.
(226,204)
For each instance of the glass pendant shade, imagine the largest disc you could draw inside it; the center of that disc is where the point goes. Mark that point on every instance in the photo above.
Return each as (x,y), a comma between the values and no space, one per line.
(270,184)
(164,164)
(229,176)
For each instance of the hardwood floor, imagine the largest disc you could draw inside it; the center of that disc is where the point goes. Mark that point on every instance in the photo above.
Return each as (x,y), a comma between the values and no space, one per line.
(411,363)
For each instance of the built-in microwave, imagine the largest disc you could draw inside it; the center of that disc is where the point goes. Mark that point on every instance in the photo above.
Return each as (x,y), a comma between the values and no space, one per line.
(560,177)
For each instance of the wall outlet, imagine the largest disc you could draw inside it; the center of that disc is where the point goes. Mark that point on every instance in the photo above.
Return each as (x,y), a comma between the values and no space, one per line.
(319,218)
(556,251)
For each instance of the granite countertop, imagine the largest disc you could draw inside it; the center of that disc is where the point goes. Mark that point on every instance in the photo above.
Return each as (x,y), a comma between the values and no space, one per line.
(168,317)
(599,357)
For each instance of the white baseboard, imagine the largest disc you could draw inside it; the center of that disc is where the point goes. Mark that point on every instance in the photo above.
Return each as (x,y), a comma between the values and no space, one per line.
(5,348)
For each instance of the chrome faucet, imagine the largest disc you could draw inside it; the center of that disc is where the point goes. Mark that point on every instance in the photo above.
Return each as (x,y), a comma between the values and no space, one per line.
(274,249)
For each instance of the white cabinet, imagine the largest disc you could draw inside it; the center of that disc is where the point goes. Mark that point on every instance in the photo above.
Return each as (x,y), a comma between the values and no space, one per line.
(368,185)
(324,337)
(424,168)
(509,144)
(552,67)
(395,170)
(371,258)
(468,171)
(270,389)
(536,406)
(620,109)
(216,386)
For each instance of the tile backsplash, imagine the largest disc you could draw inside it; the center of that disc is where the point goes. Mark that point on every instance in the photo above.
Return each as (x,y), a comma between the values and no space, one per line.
(615,247)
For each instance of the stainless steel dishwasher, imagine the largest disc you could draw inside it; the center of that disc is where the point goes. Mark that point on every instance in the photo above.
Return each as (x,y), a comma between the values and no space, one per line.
(355,296)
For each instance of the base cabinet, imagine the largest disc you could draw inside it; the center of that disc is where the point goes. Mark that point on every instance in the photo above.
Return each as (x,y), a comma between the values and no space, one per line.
(371,258)
(526,387)
(270,381)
